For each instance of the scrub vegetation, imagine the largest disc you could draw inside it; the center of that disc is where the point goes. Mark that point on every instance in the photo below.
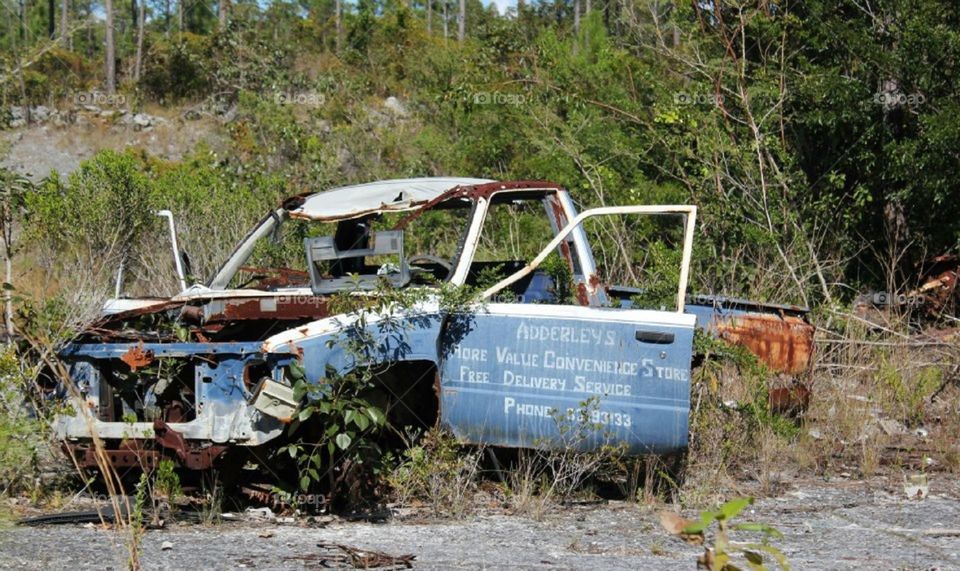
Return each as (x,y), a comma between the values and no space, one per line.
(817,138)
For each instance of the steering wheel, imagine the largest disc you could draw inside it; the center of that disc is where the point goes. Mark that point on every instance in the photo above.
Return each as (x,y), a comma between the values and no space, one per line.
(411,261)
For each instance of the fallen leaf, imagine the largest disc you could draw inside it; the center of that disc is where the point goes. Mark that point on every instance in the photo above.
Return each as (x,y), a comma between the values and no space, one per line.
(675,525)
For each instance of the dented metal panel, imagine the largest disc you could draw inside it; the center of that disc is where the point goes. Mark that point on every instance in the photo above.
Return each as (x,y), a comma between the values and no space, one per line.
(781,340)
(785,344)
(505,382)
(388,195)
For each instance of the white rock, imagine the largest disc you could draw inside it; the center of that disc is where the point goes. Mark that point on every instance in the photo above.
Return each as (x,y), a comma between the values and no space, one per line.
(260,513)
(393,104)
(892,427)
(166,546)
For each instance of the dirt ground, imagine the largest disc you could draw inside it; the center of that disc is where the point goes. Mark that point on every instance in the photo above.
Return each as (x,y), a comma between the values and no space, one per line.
(37,150)
(827,525)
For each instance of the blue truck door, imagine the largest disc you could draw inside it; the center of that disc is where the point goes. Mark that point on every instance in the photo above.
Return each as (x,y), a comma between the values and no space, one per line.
(509,372)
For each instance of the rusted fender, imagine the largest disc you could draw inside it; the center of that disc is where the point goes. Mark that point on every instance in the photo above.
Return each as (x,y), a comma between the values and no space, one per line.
(782,343)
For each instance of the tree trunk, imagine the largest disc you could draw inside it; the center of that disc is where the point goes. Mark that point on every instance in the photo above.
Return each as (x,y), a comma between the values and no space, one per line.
(586,14)
(7,298)
(223,13)
(576,17)
(462,21)
(446,27)
(16,44)
(8,260)
(338,20)
(180,15)
(51,19)
(138,64)
(64,22)
(23,27)
(429,17)
(110,57)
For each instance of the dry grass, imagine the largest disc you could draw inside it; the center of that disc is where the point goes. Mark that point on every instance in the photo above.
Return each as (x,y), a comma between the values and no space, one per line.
(884,403)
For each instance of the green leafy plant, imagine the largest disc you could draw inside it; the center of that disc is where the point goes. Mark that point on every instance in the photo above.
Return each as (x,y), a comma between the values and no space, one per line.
(721,555)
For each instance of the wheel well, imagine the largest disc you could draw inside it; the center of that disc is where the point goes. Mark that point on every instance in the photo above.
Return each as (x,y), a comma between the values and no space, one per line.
(408,392)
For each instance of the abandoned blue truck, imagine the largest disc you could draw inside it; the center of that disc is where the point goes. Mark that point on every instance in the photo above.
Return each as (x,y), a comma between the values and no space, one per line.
(209,373)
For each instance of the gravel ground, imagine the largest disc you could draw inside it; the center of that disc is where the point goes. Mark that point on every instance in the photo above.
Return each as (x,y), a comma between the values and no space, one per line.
(846,525)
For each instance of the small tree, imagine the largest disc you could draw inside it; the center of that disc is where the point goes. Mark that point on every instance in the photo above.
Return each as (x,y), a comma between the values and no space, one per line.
(13,188)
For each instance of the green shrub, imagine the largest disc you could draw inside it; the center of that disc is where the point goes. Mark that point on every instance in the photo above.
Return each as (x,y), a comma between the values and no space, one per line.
(20,432)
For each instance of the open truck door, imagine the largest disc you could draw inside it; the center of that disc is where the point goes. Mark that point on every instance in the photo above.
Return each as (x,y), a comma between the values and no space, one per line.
(513,374)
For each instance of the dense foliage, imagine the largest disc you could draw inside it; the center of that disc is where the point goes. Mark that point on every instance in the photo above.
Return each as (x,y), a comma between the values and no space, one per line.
(815,136)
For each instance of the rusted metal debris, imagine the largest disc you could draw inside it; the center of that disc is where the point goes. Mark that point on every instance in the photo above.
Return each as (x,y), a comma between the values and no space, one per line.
(782,343)
(475,191)
(285,308)
(137,358)
(939,290)
(193,457)
(339,556)
(792,400)
(140,453)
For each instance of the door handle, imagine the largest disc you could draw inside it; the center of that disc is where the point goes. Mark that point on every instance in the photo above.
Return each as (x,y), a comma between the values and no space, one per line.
(655,337)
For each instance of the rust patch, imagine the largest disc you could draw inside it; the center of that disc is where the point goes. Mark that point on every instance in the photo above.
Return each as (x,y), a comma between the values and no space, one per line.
(101,327)
(939,290)
(141,453)
(488,189)
(582,297)
(137,358)
(192,313)
(278,277)
(288,307)
(201,458)
(474,192)
(789,401)
(785,344)
(560,220)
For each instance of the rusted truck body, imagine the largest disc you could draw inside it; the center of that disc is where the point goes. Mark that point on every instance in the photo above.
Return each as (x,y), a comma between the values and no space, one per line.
(208,371)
